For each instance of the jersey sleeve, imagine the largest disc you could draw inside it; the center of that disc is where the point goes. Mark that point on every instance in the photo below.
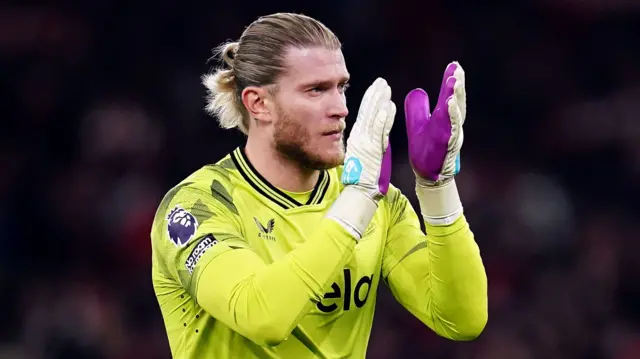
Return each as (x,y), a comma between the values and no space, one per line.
(439,277)
(404,235)
(205,250)
(194,228)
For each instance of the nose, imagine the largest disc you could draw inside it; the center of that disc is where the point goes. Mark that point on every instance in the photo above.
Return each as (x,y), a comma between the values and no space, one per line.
(339,108)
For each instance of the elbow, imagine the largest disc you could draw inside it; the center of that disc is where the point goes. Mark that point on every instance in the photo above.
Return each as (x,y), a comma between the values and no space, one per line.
(268,333)
(472,327)
(460,328)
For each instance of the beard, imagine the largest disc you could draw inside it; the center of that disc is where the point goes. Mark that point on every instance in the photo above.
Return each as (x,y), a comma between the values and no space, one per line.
(292,141)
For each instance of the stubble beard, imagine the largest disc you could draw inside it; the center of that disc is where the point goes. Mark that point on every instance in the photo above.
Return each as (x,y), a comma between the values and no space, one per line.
(292,141)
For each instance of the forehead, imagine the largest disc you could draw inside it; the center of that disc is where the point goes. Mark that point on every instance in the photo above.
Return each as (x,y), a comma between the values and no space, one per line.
(314,64)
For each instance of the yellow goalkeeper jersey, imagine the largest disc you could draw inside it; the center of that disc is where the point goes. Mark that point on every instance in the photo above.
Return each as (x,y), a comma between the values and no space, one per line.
(242,269)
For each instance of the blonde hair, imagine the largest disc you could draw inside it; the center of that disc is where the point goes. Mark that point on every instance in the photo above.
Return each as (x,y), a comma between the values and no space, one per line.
(257,59)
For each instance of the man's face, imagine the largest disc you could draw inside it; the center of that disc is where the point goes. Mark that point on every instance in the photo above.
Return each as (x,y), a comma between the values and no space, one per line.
(310,107)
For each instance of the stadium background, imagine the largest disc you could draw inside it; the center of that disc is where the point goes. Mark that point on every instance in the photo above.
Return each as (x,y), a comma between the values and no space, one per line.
(102,113)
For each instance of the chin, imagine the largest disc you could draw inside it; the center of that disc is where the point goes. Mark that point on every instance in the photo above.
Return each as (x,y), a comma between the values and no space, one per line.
(333,162)
(333,157)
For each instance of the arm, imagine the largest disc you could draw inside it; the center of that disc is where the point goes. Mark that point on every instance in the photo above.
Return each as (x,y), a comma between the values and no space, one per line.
(440,277)
(265,302)
(261,301)
(443,282)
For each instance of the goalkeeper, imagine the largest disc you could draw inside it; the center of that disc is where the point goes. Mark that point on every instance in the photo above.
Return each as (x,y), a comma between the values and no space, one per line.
(277,250)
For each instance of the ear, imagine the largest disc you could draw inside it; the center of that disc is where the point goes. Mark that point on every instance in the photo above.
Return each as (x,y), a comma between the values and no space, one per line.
(255,100)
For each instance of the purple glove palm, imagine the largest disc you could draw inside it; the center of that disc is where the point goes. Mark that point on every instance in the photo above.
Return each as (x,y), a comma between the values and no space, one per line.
(435,139)
(385,171)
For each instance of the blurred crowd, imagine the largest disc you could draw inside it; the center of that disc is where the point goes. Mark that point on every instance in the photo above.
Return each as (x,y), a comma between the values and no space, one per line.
(102,113)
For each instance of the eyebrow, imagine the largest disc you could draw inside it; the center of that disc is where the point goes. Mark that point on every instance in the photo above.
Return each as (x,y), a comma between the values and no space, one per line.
(343,79)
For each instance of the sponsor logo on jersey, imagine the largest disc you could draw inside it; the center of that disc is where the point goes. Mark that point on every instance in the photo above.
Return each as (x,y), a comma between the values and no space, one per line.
(181,226)
(198,251)
(266,232)
(347,296)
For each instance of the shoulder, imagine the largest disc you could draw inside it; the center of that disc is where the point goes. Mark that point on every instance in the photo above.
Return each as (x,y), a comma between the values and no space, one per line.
(206,191)
(212,180)
(216,175)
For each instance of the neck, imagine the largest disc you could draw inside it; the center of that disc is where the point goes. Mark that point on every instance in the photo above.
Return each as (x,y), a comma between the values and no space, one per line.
(278,170)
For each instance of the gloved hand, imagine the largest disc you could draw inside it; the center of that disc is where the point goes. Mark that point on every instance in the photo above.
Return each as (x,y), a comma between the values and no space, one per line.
(368,141)
(435,141)
(363,176)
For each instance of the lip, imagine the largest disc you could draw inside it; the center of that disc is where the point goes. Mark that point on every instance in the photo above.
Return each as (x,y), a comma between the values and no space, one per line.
(334,135)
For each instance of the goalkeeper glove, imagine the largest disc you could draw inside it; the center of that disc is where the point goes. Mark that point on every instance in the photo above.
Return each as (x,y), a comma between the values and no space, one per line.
(367,167)
(435,141)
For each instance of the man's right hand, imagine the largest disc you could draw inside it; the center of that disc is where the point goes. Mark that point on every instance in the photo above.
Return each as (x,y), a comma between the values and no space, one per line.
(367,167)
(364,167)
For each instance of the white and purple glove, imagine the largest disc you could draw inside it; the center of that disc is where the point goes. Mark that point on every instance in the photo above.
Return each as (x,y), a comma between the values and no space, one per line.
(367,166)
(435,140)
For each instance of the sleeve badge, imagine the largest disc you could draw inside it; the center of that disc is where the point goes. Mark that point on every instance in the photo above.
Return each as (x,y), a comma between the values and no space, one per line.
(181,226)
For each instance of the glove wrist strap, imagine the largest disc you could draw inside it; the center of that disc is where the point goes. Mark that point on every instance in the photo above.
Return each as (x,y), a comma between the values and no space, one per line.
(440,205)
(353,210)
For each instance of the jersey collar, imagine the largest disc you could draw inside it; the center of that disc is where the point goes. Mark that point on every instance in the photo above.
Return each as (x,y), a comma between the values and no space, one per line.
(266,189)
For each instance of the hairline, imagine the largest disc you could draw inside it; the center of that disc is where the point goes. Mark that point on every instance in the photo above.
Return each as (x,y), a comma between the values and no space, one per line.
(273,87)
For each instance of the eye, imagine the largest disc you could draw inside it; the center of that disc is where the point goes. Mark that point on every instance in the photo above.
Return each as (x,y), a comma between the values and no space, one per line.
(316,90)
(343,87)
